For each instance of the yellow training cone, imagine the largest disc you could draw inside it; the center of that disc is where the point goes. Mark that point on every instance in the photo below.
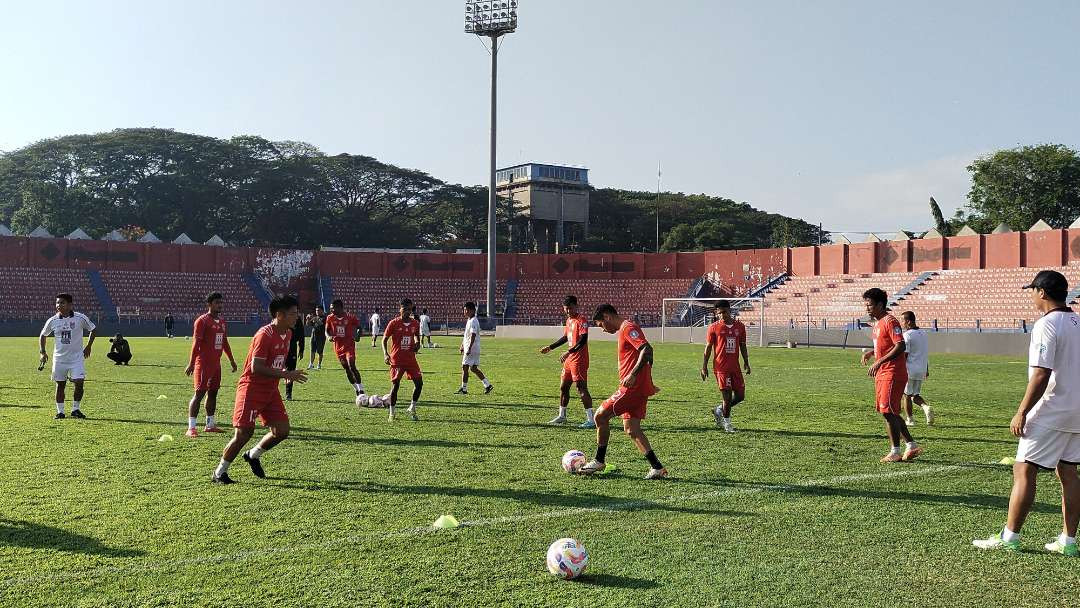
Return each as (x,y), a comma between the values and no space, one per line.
(1008,460)
(446,522)
(165,437)
(160,397)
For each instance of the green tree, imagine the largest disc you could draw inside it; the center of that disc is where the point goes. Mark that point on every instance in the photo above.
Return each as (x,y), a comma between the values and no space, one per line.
(1020,186)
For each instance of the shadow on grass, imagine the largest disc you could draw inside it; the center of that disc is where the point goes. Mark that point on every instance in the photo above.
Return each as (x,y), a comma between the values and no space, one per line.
(415,443)
(16,533)
(179,422)
(149,382)
(494,406)
(22,406)
(616,582)
(575,501)
(708,428)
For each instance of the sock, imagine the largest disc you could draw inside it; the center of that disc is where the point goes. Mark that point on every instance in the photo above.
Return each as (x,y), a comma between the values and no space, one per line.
(59,407)
(360,387)
(75,405)
(895,450)
(911,445)
(601,453)
(1066,540)
(464,386)
(485,382)
(654,462)
(412,405)
(1008,535)
(222,468)
(562,412)
(210,421)
(727,419)
(192,421)
(588,413)
(256,452)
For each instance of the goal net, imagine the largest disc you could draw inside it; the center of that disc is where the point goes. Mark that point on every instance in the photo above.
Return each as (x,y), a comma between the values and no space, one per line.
(687,319)
(127,313)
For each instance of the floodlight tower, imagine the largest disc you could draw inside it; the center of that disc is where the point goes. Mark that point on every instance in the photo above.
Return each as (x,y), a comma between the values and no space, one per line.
(492,19)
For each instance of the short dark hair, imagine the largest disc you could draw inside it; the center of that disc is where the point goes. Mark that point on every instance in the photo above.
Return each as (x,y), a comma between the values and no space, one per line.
(569,301)
(406,303)
(876,295)
(282,303)
(65,297)
(908,316)
(214,296)
(604,309)
(722,304)
(338,302)
(318,307)
(470,306)
(424,311)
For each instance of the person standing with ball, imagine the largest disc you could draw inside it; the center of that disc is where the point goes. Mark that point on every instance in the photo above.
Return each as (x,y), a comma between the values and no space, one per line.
(630,400)
(403,337)
(575,362)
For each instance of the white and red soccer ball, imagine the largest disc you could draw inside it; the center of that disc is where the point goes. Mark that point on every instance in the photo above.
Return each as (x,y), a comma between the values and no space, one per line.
(573,460)
(567,558)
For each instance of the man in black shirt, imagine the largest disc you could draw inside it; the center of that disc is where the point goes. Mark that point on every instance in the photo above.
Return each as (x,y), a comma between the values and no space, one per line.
(120,353)
(296,352)
(168,325)
(317,323)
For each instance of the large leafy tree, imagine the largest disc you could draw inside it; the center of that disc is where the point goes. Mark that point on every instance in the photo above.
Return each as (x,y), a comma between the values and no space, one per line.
(1022,185)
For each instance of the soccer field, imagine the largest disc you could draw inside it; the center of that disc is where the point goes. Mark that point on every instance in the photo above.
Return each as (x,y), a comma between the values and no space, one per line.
(793,510)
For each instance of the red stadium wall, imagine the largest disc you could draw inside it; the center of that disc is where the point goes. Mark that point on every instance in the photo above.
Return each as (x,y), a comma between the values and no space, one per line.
(833,259)
(804,261)
(1046,248)
(861,258)
(894,256)
(1001,250)
(1073,248)
(964,252)
(928,254)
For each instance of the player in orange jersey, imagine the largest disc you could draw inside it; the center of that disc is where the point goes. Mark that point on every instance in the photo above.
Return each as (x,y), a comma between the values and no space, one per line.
(257,394)
(630,400)
(889,371)
(726,339)
(575,362)
(401,340)
(208,341)
(341,329)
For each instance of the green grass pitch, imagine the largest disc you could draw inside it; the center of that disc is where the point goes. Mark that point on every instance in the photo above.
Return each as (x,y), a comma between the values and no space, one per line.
(794,510)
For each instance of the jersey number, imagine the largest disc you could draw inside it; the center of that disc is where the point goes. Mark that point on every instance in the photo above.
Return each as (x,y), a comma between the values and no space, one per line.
(65,336)
(729,345)
(406,341)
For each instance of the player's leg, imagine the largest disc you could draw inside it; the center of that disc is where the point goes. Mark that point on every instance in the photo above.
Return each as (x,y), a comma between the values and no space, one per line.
(193,412)
(418,388)
(76,398)
(603,434)
(343,359)
(358,383)
(59,397)
(290,365)
(464,389)
(907,409)
(1070,508)
(395,380)
(564,398)
(1023,495)
(727,398)
(211,411)
(241,435)
(483,379)
(586,403)
(632,427)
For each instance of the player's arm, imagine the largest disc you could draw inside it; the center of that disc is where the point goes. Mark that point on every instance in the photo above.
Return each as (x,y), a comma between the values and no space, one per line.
(583,339)
(745,355)
(645,357)
(225,348)
(259,366)
(556,344)
(196,345)
(89,343)
(1037,383)
(385,350)
(705,360)
(898,348)
(41,344)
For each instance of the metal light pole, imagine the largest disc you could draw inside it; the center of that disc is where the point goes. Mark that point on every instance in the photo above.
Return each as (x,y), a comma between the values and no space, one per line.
(491,19)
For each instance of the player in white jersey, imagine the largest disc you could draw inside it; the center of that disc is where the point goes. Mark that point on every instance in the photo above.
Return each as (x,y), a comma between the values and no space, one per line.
(1048,418)
(918,367)
(376,327)
(470,351)
(67,328)
(425,328)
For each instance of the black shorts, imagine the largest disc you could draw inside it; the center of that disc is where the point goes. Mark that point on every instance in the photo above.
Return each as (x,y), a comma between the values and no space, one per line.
(290,363)
(317,345)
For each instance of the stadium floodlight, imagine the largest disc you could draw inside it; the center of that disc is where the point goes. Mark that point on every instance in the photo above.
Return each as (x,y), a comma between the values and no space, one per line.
(491,19)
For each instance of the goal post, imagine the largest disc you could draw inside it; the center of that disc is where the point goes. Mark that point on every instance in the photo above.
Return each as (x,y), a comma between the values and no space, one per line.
(686,319)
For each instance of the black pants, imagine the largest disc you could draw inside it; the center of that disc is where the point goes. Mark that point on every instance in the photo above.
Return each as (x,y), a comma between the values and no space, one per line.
(119,359)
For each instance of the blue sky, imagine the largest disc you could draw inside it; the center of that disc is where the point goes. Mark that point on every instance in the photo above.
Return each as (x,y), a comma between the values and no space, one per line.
(845,113)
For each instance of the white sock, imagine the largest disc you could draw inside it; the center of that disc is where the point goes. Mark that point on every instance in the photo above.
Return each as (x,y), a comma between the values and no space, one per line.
(1066,540)
(464,386)
(895,451)
(210,421)
(727,419)
(562,412)
(256,451)
(1008,535)
(59,407)
(589,414)
(75,405)
(222,468)
(485,382)
(911,445)
(192,421)
(412,405)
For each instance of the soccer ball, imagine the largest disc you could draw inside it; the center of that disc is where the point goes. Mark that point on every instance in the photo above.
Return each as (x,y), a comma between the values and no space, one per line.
(375,401)
(573,460)
(567,558)
(361,400)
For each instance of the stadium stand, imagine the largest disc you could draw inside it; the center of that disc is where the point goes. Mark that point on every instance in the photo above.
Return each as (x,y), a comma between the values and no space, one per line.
(829,300)
(442,298)
(181,293)
(539,302)
(30,293)
(991,298)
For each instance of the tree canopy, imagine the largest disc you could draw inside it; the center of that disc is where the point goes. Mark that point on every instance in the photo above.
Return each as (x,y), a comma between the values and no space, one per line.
(252,191)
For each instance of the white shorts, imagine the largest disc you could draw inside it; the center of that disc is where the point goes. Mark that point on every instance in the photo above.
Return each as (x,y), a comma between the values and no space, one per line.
(61,371)
(1045,447)
(914,385)
(425,332)
(471,359)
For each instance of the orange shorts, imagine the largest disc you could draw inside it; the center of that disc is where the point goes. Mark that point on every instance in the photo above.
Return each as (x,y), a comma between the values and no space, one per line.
(889,391)
(731,380)
(268,410)
(206,377)
(345,352)
(412,371)
(574,373)
(627,403)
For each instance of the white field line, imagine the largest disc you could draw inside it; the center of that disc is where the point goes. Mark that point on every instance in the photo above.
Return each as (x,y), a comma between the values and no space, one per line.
(239,556)
(853,365)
